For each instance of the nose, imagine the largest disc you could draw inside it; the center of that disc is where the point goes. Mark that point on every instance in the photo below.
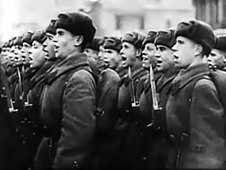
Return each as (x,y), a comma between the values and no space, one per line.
(143,52)
(121,51)
(174,48)
(157,54)
(44,44)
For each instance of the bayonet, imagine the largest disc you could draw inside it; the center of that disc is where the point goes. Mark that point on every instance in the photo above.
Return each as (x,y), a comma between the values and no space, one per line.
(134,101)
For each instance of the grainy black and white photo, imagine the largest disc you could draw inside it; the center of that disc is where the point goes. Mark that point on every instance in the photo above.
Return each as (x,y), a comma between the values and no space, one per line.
(112,84)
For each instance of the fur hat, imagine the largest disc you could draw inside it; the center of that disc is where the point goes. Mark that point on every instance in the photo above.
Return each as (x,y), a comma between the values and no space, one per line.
(94,44)
(39,36)
(51,28)
(134,38)
(113,43)
(199,32)
(18,41)
(150,38)
(77,23)
(27,37)
(220,43)
(166,38)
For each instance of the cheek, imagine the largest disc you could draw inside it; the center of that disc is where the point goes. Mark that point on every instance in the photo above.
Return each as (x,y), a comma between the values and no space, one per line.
(34,55)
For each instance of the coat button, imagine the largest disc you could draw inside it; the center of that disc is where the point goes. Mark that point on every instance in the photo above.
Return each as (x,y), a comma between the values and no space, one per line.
(75,163)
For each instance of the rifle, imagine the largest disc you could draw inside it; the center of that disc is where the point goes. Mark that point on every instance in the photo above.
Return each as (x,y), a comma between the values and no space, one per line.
(7,94)
(134,101)
(27,104)
(157,110)
(19,101)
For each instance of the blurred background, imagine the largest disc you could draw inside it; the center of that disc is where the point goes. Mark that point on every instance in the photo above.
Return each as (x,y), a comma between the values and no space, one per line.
(112,17)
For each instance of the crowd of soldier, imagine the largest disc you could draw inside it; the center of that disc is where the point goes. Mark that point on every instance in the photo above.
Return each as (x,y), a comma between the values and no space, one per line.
(162,112)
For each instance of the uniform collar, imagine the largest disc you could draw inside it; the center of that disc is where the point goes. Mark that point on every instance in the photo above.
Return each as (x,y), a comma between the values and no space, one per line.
(70,63)
(185,76)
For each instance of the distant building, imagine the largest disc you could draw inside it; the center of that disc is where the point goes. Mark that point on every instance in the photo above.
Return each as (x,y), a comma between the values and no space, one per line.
(112,17)
(120,16)
(211,11)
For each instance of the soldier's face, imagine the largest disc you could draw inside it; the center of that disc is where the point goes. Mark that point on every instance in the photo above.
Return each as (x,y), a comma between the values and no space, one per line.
(148,56)
(49,47)
(36,54)
(165,58)
(112,58)
(101,52)
(63,43)
(184,52)
(217,58)
(91,53)
(25,51)
(128,54)
(17,53)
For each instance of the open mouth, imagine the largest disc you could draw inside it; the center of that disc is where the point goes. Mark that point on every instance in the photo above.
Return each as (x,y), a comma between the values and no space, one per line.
(159,63)
(123,58)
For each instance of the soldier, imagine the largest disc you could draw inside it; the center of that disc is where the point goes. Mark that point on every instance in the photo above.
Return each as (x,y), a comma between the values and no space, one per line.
(92,49)
(68,99)
(112,58)
(217,56)
(37,84)
(6,130)
(128,100)
(194,113)
(146,102)
(26,139)
(165,63)
(100,61)
(148,53)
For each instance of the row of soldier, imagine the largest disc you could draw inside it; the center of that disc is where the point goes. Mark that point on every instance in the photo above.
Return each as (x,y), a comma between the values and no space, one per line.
(72,101)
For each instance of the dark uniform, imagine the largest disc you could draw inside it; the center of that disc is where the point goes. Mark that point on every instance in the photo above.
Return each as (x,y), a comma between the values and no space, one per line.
(68,104)
(194,113)
(131,156)
(7,133)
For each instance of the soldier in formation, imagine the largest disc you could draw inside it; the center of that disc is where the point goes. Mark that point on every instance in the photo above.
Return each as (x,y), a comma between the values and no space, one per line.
(71,100)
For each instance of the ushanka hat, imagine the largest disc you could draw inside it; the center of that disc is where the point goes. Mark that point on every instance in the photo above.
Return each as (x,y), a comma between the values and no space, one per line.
(113,43)
(134,38)
(77,23)
(150,38)
(199,32)
(165,38)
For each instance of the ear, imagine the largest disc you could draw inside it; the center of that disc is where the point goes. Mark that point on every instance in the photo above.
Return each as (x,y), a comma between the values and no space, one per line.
(138,52)
(78,40)
(198,49)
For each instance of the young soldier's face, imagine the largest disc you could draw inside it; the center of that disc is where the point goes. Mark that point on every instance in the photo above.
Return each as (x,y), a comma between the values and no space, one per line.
(36,54)
(112,58)
(91,53)
(17,53)
(128,54)
(184,52)
(25,52)
(63,43)
(217,58)
(49,47)
(165,58)
(148,56)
